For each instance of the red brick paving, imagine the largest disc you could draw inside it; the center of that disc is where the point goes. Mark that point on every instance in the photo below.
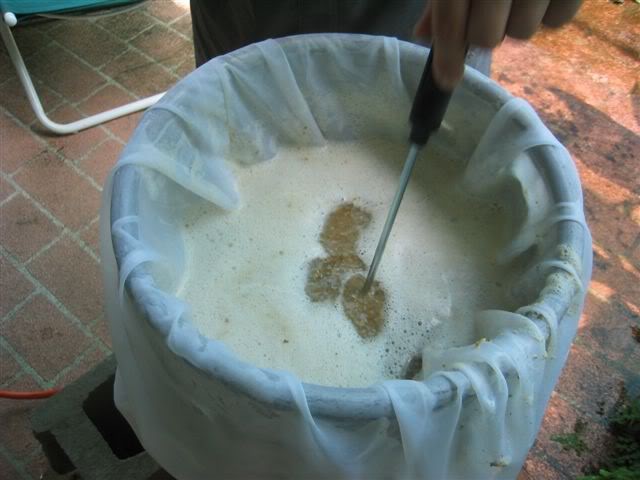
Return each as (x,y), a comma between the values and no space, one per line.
(560,419)
(163,45)
(14,287)
(166,12)
(41,333)
(185,68)
(94,45)
(605,327)
(31,39)
(69,196)
(106,98)
(538,470)
(584,85)
(91,237)
(24,229)
(58,267)
(101,330)
(64,73)
(183,25)
(8,366)
(127,25)
(14,101)
(73,146)
(99,162)
(139,74)
(6,190)
(5,66)
(19,144)
(122,128)
(89,360)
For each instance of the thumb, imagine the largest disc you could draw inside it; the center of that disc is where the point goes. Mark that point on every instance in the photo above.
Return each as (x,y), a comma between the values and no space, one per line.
(423,29)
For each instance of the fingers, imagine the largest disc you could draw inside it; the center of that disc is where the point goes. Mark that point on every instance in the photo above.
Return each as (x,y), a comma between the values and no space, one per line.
(487,22)
(449,24)
(452,25)
(525,17)
(560,12)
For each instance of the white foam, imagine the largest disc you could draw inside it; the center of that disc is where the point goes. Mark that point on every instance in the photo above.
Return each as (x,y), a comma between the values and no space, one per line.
(247,269)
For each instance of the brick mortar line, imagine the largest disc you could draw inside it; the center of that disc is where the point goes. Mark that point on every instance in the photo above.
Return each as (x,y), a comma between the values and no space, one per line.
(95,345)
(94,148)
(16,376)
(103,346)
(95,321)
(96,23)
(38,138)
(94,220)
(85,229)
(63,101)
(27,368)
(98,69)
(160,22)
(9,198)
(13,312)
(75,167)
(131,47)
(75,237)
(171,24)
(19,190)
(143,10)
(36,83)
(65,230)
(43,290)
(150,59)
(172,29)
(48,148)
(16,464)
(24,365)
(76,362)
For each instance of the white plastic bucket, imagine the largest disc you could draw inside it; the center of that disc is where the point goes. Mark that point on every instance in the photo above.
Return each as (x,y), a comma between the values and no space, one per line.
(203,413)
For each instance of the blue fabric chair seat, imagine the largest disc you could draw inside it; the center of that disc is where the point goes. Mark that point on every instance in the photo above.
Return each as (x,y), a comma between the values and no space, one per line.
(30,7)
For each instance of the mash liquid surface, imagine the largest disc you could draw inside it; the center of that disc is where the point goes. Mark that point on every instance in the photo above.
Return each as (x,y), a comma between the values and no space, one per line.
(247,269)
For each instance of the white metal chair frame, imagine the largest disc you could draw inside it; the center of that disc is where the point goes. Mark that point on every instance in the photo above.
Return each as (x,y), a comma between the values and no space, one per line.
(10,20)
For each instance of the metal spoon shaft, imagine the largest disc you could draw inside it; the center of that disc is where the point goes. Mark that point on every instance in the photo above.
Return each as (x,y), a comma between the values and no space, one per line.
(391,216)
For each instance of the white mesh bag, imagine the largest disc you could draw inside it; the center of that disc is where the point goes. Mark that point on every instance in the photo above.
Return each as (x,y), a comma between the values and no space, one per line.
(200,411)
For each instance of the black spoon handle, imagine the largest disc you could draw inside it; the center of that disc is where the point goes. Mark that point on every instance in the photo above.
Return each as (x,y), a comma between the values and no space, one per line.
(429,106)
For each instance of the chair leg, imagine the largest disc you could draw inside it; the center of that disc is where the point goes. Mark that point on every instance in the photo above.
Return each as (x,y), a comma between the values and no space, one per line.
(34,100)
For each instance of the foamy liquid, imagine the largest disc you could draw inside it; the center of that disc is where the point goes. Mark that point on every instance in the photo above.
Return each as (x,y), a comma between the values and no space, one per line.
(247,269)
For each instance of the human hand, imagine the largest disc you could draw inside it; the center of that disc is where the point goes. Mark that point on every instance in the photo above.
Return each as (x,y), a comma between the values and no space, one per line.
(453,25)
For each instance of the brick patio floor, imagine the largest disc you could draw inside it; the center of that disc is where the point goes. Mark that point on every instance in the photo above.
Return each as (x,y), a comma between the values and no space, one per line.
(582,80)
